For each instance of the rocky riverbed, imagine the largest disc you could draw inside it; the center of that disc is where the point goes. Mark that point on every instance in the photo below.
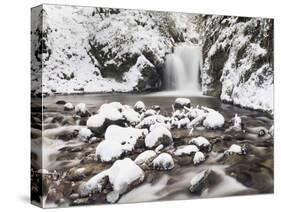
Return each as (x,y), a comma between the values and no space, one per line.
(93,149)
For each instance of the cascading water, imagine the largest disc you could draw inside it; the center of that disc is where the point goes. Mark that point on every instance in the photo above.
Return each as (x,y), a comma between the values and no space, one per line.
(182,70)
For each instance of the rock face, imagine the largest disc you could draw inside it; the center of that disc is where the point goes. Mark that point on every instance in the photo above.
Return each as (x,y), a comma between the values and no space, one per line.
(87,49)
(238,60)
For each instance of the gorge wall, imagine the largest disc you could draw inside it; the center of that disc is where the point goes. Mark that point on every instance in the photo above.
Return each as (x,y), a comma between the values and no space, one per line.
(238,60)
(84,49)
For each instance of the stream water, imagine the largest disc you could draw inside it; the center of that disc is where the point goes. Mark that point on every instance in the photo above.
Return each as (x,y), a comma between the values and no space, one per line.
(255,176)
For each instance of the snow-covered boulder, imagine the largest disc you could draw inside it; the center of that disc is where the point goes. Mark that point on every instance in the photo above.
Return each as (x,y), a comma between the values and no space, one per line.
(271,130)
(164,161)
(151,120)
(149,112)
(199,157)
(97,123)
(112,112)
(213,119)
(182,123)
(131,116)
(68,106)
(202,143)
(118,141)
(85,134)
(159,135)
(180,103)
(140,107)
(109,150)
(108,114)
(126,136)
(81,110)
(236,149)
(145,157)
(122,176)
(186,150)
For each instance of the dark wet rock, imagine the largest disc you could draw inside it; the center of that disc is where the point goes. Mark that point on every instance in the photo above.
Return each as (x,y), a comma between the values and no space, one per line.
(66,135)
(219,145)
(203,181)
(261,133)
(58,119)
(155,107)
(184,160)
(60,102)
(252,175)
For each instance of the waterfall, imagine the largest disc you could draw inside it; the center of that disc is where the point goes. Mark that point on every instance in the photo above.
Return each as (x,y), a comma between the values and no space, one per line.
(182,70)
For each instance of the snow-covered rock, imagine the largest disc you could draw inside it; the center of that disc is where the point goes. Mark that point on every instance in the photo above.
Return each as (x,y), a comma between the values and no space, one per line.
(109,150)
(149,112)
(213,119)
(186,150)
(81,109)
(85,134)
(180,103)
(164,161)
(199,157)
(151,120)
(202,143)
(126,136)
(118,141)
(122,175)
(68,106)
(131,116)
(159,135)
(145,157)
(236,149)
(140,107)
(97,123)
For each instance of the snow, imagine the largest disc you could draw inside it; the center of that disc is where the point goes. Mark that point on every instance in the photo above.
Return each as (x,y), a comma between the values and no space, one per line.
(235,149)
(154,137)
(68,106)
(96,121)
(122,174)
(109,150)
(159,148)
(243,82)
(145,157)
(213,119)
(81,108)
(140,106)
(151,120)
(69,68)
(111,111)
(198,158)
(237,122)
(183,101)
(126,136)
(200,142)
(186,150)
(118,141)
(164,161)
(84,134)
(131,115)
